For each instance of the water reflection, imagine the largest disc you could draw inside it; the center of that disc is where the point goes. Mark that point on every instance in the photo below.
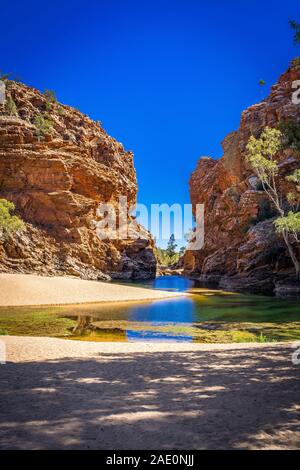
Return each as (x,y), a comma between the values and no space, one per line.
(206,316)
(161,314)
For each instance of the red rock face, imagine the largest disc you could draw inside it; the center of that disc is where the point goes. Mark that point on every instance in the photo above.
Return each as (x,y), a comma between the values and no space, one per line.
(57,183)
(241,248)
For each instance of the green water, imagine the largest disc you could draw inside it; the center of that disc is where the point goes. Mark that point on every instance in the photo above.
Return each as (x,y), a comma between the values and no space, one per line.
(204,316)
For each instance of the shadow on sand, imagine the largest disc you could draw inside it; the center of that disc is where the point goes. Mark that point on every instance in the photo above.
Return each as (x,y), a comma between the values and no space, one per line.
(184,400)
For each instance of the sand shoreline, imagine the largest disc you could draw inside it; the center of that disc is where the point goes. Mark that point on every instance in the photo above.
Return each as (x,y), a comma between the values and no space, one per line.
(40,348)
(18,290)
(59,394)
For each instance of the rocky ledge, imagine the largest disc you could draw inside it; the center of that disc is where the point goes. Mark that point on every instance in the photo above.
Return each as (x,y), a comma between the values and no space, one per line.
(57,166)
(242,250)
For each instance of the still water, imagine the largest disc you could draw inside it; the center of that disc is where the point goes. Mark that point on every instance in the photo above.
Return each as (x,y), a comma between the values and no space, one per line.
(205,315)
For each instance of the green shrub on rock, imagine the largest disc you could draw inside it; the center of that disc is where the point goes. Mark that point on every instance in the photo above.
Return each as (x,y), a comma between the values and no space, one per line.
(43,126)
(290,130)
(10,107)
(9,223)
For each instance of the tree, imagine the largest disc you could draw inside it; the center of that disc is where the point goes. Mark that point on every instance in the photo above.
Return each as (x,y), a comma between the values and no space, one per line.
(171,247)
(262,84)
(182,251)
(296,27)
(9,223)
(262,156)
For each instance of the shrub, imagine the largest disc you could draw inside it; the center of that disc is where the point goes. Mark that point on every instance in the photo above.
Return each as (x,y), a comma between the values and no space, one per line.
(10,107)
(48,106)
(164,259)
(290,130)
(296,27)
(296,62)
(61,111)
(43,125)
(50,95)
(9,223)
(262,338)
(290,222)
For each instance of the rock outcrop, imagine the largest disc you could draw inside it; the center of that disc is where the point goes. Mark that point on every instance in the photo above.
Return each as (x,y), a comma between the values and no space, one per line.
(242,250)
(57,166)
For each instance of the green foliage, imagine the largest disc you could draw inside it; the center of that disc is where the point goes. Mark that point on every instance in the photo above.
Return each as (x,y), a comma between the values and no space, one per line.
(50,96)
(295,178)
(290,131)
(182,251)
(288,223)
(43,125)
(261,153)
(296,62)
(10,107)
(262,157)
(9,223)
(293,197)
(163,258)
(48,106)
(171,248)
(168,256)
(51,99)
(262,338)
(296,27)
(61,111)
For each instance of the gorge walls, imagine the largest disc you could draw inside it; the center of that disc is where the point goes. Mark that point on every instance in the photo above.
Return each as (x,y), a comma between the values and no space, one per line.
(57,166)
(242,250)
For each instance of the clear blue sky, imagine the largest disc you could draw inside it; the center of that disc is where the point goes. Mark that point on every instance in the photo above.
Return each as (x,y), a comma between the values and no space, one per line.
(168,79)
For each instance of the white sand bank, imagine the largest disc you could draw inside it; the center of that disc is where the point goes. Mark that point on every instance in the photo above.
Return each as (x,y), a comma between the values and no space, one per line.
(26,289)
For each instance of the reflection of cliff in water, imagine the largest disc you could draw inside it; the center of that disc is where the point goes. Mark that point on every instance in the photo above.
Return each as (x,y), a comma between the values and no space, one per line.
(86,329)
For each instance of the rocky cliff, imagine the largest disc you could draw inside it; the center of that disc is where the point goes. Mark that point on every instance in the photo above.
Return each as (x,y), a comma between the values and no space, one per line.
(57,166)
(242,250)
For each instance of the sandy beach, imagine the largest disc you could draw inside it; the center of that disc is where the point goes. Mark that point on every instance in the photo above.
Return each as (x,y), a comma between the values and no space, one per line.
(27,289)
(66,394)
(60,394)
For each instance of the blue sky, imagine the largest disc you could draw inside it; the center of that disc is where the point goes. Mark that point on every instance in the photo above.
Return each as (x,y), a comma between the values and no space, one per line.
(169,79)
